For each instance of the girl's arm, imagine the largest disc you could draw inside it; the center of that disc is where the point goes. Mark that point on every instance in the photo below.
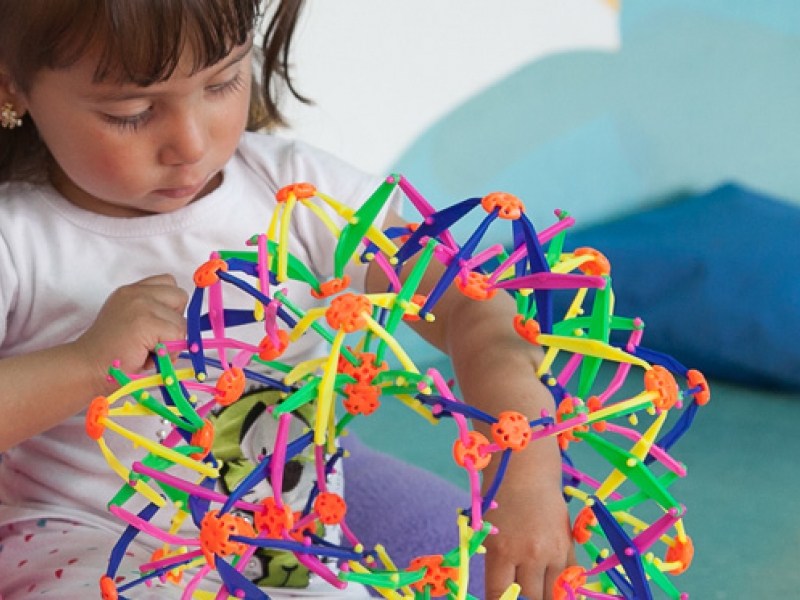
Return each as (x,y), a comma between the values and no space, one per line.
(496,371)
(41,389)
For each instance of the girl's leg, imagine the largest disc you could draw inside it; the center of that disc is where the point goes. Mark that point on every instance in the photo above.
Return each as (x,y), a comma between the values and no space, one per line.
(409,510)
(58,559)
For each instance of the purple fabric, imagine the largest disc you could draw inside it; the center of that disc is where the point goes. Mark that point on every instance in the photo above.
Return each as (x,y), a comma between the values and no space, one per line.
(409,510)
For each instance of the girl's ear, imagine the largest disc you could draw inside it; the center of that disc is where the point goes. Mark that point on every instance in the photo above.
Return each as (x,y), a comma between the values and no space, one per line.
(10,93)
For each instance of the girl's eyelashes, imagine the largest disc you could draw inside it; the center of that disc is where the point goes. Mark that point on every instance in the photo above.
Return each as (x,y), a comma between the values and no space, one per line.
(130,123)
(234,84)
(136,122)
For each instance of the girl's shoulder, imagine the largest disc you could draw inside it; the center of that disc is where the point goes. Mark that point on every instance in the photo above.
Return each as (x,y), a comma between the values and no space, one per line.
(21,199)
(16,190)
(289,153)
(284,161)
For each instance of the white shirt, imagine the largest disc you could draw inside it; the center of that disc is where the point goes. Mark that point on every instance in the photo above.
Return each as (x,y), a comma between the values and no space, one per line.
(58,264)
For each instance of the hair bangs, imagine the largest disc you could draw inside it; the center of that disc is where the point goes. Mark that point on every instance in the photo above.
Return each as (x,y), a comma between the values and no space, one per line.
(143,42)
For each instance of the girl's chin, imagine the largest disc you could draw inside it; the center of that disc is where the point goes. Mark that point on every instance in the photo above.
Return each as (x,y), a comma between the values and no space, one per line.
(156,202)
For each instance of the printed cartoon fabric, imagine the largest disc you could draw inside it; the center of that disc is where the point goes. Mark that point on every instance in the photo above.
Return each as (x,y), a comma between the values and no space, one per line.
(245,433)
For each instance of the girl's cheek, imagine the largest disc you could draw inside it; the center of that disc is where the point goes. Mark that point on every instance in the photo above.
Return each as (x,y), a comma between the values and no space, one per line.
(118,158)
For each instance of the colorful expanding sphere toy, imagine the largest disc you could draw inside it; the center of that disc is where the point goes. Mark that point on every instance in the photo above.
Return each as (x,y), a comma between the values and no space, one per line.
(240,513)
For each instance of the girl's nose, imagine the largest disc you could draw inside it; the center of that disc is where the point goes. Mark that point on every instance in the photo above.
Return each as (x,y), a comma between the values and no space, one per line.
(185,141)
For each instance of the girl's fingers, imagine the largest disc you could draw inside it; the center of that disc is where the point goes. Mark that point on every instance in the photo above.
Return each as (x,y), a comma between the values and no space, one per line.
(159,288)
(533,582)
(554,571)
(162,279)
(498,577)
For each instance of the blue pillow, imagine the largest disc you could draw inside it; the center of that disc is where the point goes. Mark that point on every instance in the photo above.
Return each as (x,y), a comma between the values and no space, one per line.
(716,279)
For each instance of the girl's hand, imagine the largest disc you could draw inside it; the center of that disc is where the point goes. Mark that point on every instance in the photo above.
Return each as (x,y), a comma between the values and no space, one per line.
(497,371)
(534,542)
(133,320)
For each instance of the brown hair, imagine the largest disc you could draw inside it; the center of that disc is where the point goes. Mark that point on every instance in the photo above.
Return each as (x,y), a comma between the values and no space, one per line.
(139,41)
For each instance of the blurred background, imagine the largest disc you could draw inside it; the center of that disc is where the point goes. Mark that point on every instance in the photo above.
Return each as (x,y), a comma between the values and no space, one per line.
(669,129)
(572,103)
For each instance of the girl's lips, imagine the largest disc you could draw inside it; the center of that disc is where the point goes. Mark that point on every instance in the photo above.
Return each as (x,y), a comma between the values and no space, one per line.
(181,192)
(188,191)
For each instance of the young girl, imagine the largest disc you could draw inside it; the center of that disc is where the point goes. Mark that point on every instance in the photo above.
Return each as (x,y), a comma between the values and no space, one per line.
(124,163)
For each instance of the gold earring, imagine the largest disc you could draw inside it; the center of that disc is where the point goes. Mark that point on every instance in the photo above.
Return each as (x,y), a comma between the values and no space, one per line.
(9,118)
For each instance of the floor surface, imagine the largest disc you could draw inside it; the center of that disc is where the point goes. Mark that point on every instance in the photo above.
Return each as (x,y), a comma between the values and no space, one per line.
(740,492)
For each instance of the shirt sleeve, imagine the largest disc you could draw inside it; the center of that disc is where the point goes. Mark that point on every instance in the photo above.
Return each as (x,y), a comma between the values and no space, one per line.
(9,286)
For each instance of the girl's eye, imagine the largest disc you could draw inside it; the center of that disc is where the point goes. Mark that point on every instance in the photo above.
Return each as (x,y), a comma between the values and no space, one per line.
(136,122)
(234,84)
(131,123)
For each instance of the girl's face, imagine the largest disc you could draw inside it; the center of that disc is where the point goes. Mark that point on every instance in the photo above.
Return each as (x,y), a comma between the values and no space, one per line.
(124,150)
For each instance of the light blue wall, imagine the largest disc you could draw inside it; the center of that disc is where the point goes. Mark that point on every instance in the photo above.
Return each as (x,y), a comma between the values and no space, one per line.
(701,92)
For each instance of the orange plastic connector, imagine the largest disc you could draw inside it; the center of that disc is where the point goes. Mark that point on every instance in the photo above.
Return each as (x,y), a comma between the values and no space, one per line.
(527,329)
(661,381)
(680,552)
(580,528)
(696,379)
(204,438)
(362,398)
(300,191)
(436,576)
(309,528)
(330,507)
(269,351)
(215,534)
(511,207)
(173,576)
(96,416)
(366,371)
(230,386)
(594,404)
(346,312)
(206,274)
(329,288)
(476,286)
(511,431)
(472,451)
(597,266)
(419,301)
(412,227)
(273,520)
(566,410)
(108,589)
(570,580)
